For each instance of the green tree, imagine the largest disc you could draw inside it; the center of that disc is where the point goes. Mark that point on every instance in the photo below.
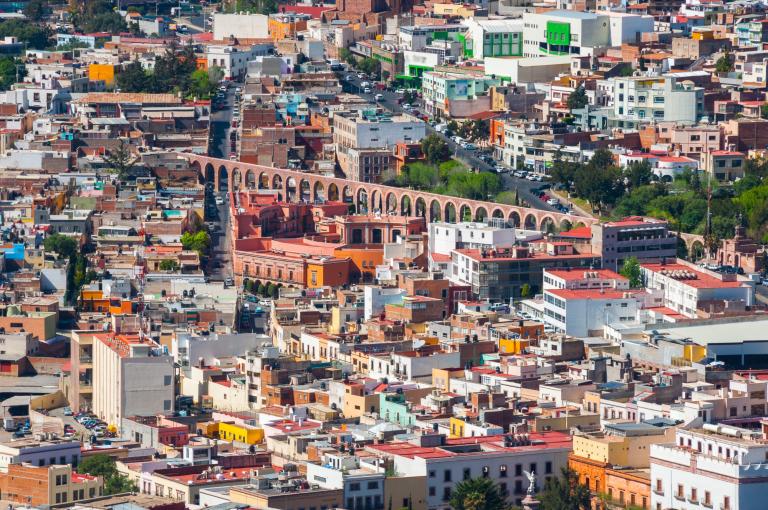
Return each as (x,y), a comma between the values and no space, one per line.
(271,290)
(133,78)
(261,290)
(435,149)
(637,173)
(563,172)
(477,494)
(248,286)
(631,271)
(35,10)
(200,85)
(104,466)
(169,265)
(599,181)
(36,35)
(764,111)
(479,129)
(525,290)
(577,99)
(419,176)
(64,246)
(565,493)
(10,69)
(370,66)
(199,241)
(121,160)
(347,56)
(724,64)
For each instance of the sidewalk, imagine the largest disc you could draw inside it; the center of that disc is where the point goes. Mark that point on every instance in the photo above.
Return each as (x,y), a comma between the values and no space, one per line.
(563,197)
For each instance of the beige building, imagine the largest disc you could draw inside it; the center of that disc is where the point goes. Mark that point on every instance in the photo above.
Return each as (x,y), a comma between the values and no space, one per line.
(622,444)
(293,499)
(131,377)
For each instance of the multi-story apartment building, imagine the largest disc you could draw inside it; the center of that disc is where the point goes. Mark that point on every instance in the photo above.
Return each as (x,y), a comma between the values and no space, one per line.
(40,453)
(369,129)
(28,484)
(686,288)
(495,38)
(717,466)
(503,459)
(563,32)
(132,376)
(456,95)
(498,275)
(644,238)
(638,99)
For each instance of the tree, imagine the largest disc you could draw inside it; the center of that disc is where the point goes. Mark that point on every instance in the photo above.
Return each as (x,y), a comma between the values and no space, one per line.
(631,271)
(272,290)
(121,160)
(104,466)
(64,246)
(525,290)
(435,149)
(637,173)
(347,56)
(261,289)
(370,66)
(169,265)
(477,494)
(36,36)
(248,286)
(764,111)
(10,70)
(599,181)
(35,10)
(724,64)
(479,130)
(577,99)
(199,241)
(562,172)
(133,78)
(565,493)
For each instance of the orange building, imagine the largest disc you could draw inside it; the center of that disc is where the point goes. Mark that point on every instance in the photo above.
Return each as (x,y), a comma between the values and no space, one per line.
(364,260)
(591,472)
(497,133)
(106,72)
(629,487)
(286,25)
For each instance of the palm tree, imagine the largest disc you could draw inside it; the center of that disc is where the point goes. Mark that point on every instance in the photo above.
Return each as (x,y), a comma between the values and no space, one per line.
(478,494)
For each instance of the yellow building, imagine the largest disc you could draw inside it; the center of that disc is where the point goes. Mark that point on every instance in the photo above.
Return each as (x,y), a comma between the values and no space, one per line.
(513,345)
(631,449)
(106,72)
(240,433)
(457,427)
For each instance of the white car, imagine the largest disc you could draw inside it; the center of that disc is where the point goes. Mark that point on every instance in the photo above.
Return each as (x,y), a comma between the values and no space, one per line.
(553,201)
(219,201)
(365,84)
(378,97)
(366,90)
(400,91)
(500,169)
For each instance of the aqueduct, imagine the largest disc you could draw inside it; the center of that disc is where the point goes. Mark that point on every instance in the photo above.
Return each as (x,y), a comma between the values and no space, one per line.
(294,186)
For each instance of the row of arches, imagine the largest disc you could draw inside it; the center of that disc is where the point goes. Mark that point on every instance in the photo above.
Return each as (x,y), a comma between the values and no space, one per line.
(367,198)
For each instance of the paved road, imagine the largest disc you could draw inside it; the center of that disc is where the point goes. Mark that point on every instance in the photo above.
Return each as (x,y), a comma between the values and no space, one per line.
(220,263)
(389,102)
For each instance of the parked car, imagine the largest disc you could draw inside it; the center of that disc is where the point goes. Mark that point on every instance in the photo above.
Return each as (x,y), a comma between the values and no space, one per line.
(67,411)
(378,97)
(553,201)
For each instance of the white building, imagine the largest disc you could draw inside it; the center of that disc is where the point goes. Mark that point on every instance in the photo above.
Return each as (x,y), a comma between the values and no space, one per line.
(642,98)
(584,312)
(376,297)
(40,453)
(584,279)
(363,488)
(233,60)
(447,462)
(495,38)
(686,288)
(368,129)
(718,466)
(132,376)
(579,33)
(410,366)
(446,237)
(240,26)
(189,349)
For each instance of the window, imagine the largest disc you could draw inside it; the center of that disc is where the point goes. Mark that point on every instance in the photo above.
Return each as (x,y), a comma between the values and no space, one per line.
(726,503)
(467,473)
(447,475)
(680,491)
(548,467)
(166,405)
(431,493)
(502,471)
(167,380)
(446,493)
(354,486)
